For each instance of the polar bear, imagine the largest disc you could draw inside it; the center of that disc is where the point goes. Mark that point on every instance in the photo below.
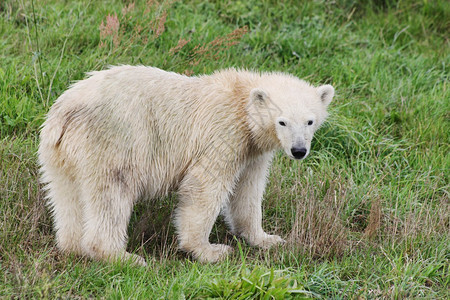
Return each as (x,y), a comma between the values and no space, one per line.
(136,132)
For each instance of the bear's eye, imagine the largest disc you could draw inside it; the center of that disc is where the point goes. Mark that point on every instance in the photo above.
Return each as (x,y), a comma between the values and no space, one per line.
(310,122)
(282,123)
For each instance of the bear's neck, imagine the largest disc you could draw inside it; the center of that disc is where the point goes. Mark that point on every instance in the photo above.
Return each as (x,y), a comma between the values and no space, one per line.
(264,138)
(261,135)
(261,132)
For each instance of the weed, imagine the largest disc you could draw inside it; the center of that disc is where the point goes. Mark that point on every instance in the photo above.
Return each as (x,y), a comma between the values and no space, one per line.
(110,30)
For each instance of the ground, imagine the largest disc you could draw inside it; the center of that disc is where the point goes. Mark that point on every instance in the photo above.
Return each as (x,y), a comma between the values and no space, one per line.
(369,207)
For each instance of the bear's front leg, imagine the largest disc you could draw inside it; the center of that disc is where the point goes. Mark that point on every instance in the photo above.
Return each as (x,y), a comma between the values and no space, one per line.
(202,194)
(244,212)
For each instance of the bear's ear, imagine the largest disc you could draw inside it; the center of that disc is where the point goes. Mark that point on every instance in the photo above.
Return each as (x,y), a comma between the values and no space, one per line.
(258,96)
(326,93)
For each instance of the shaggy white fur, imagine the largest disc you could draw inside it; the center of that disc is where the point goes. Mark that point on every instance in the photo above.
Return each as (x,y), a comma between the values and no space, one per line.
(139,132)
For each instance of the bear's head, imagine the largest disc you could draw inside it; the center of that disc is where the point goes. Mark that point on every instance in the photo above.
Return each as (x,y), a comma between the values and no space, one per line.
(289,111)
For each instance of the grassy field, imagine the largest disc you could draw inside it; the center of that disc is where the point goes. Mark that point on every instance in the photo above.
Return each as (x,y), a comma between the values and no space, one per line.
(367,215)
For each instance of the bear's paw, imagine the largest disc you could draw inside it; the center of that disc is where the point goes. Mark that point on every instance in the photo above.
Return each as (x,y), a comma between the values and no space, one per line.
(213,253)
(267,241)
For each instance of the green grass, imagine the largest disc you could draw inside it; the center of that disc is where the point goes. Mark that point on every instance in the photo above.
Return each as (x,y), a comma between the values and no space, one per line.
(366,215)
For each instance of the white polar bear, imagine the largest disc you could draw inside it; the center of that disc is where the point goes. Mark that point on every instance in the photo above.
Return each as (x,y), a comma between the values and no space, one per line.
(129,133)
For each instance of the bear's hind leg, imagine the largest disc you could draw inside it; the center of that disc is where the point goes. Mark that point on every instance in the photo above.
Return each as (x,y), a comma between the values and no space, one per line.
(107,211)
(63,199)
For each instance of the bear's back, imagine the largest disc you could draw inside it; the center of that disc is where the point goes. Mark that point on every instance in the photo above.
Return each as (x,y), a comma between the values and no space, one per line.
(154,122)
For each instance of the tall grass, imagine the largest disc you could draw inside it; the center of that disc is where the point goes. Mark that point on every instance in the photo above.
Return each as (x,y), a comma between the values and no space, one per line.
(366,215)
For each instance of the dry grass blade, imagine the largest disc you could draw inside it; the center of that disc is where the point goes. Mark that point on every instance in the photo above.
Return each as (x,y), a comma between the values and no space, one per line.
(318,228)
(374,222)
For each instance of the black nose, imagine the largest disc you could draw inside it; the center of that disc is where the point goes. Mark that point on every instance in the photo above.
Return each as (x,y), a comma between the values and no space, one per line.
(299,153)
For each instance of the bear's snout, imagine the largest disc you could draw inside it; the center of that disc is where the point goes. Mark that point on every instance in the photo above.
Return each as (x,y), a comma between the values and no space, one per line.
(299,153)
